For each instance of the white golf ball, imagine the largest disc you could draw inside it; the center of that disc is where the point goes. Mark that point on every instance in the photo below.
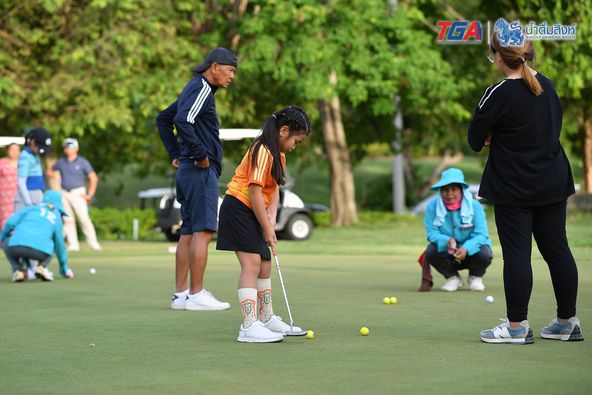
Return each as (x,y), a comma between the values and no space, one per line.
(489,299)
(92,270)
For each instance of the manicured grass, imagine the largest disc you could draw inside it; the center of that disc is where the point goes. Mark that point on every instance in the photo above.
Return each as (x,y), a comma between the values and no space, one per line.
(427,343)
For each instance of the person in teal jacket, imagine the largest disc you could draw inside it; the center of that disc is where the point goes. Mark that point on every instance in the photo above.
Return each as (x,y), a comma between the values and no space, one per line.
(35,233)
(456,228)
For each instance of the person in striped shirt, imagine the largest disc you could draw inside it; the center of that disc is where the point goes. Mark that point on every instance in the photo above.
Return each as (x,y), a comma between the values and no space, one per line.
(247,221)
(196,151)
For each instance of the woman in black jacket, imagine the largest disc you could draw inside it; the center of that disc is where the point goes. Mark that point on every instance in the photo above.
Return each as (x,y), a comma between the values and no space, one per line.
(528,177)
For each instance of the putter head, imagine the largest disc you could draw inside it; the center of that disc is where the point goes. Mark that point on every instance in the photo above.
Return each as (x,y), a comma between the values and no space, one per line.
(295,333)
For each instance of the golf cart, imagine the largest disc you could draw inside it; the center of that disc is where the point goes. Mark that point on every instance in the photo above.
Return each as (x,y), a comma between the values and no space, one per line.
(293,218)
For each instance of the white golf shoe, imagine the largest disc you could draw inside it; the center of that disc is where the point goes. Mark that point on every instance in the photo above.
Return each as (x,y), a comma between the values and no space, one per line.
(44,274)
(18,276)
(178,301)
(476,283)
(452,284)
(258,333)
(204,300)
(277,325)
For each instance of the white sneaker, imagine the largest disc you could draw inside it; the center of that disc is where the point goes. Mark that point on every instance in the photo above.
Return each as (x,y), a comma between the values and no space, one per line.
(275,324)
(476,283)
(452,284)
(95,246)
(258,333)
(73,248)
(204,300)
(178,301)
(18,276)
(44,274)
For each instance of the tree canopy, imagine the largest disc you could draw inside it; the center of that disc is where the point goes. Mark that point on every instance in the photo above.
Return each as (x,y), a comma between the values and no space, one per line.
(103,69)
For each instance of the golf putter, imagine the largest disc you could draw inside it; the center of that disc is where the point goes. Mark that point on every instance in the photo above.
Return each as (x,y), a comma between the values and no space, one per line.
(292,332)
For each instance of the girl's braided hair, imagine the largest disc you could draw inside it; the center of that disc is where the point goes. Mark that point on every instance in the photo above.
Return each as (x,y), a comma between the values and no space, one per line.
(296,119)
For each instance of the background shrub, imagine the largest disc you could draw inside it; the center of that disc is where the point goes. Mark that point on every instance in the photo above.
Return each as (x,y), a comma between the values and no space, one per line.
(117,224)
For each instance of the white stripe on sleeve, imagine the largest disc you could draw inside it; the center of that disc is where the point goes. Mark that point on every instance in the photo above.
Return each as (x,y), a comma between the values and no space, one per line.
(198,103)
(487,95)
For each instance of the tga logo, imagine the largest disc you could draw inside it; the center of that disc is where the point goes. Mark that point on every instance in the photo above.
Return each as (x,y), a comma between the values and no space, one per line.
(509,33)
(460,32)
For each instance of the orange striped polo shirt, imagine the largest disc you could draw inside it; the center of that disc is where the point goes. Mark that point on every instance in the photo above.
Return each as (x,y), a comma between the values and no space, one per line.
(260,174)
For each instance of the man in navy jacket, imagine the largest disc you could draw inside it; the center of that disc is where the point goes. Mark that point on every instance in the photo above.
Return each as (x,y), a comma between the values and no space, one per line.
(196,151)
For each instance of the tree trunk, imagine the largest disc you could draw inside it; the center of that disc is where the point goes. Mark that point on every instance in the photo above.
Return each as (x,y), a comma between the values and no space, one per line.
(586,124)
(343,202)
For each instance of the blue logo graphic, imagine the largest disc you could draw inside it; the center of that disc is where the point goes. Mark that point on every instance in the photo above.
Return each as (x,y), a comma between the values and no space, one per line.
(509,33)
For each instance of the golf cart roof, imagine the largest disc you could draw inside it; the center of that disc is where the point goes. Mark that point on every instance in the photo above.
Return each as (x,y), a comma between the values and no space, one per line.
(6,140)
(155,193)
(238,134)
(225,134)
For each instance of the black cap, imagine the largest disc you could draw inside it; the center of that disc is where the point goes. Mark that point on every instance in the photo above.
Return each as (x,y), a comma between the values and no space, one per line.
(218,55)
(41,137)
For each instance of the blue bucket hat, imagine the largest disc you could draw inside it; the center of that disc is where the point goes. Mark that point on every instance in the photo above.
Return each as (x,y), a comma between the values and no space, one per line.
(450,176)
(55,199)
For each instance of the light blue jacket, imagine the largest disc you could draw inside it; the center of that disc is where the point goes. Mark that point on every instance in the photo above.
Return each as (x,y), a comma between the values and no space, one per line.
(40,228)
(471,237)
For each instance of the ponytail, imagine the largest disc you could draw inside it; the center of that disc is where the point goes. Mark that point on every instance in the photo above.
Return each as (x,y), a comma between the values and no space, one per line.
(516,56)
(296,120)
(531,82)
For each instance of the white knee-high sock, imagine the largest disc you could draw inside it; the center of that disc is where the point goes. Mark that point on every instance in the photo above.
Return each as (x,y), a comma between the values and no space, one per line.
(247,298)
(264,299)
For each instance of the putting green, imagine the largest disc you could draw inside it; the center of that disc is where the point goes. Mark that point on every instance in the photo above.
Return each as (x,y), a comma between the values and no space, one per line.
(112,332)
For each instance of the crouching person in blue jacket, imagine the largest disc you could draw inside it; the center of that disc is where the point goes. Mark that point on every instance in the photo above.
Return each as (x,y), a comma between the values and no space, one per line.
(456,228)
(35,233)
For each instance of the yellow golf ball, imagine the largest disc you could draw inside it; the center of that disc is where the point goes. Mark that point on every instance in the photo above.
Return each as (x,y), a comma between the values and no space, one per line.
(386,300)
(364,331)
(309,334)
(393,300)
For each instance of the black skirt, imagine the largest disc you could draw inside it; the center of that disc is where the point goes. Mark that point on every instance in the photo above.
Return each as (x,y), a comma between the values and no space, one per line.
(239,230)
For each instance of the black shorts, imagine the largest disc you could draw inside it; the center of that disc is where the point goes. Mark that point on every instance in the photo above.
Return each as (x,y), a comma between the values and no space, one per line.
(239,230)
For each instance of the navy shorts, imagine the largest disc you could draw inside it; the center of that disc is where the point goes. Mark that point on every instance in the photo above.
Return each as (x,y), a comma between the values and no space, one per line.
(197,191)
(239,229)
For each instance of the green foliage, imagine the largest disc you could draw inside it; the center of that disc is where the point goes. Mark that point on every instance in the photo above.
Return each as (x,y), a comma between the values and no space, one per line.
(377,52)
(367,218)
(114,224)
(321,219)
(101,70)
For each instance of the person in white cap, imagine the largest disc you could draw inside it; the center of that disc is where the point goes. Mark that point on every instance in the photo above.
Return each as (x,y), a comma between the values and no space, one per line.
(73,171)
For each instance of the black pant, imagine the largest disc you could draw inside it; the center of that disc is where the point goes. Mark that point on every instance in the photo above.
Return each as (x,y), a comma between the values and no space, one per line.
(20,255)
(448,267)
(515,227)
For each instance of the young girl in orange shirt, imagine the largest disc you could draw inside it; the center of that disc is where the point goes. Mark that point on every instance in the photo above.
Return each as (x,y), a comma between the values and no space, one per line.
(247,221)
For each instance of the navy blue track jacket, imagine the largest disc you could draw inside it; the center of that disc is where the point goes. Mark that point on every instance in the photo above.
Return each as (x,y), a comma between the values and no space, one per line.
(198,129)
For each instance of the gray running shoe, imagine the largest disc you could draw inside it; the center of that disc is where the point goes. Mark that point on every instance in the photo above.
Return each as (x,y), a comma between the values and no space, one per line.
(504,334)
(568,331)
